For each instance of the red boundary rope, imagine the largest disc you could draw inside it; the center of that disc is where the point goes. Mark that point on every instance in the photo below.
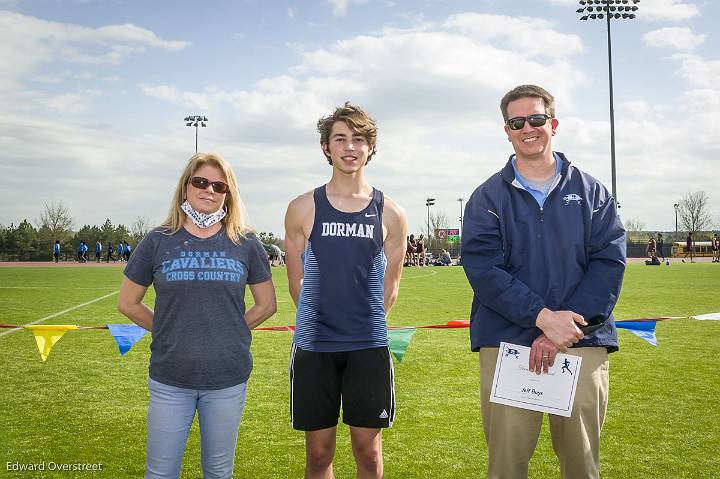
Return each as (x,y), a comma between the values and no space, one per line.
(453,323)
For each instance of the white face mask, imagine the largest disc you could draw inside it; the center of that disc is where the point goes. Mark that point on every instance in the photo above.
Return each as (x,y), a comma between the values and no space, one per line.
(202,220)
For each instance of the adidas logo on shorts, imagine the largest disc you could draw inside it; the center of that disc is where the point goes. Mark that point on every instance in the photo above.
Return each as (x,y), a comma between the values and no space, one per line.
(384,414)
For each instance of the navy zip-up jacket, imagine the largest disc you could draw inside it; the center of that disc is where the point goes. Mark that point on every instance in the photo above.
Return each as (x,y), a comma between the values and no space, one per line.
(520,258)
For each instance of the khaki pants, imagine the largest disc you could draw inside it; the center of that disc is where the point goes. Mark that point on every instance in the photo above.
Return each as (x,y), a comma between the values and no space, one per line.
(512,433)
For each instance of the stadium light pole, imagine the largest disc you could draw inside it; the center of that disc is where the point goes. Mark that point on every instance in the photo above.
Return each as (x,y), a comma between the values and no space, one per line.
(609,10)
(676,206)
(429,202)
(196,121)
(460,200)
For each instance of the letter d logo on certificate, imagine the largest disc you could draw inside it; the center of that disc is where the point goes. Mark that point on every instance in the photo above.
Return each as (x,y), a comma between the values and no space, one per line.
(514,384)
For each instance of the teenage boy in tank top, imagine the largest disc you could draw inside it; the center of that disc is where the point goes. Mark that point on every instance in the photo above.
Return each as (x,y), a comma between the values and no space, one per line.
(345,244)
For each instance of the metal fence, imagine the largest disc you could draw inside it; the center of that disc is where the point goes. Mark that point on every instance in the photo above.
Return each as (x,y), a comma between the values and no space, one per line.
(638,249)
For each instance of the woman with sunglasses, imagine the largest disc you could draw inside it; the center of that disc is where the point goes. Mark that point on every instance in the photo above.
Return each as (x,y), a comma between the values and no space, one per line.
(199,261)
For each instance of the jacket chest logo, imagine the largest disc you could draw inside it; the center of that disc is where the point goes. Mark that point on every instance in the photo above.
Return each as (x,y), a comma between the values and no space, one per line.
(573,197)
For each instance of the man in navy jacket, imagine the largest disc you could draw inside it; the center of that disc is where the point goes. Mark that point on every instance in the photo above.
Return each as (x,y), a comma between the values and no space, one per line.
(544,250)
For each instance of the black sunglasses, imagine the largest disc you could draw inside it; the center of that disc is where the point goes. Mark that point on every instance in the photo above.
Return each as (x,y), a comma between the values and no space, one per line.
(202,183)
(538,119)
(593,324)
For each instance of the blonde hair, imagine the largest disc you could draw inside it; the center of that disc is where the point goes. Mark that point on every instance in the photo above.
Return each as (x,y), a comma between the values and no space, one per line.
(236,219)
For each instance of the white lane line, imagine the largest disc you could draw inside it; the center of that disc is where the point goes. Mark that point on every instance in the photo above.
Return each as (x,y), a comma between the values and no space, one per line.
(51,287)
(54,315)
(429,273)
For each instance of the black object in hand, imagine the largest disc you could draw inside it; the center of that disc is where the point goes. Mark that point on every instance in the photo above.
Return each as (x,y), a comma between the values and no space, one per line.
(593,324)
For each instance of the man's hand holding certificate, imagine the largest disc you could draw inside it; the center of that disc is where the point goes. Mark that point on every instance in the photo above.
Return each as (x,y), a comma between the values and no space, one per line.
(515,385)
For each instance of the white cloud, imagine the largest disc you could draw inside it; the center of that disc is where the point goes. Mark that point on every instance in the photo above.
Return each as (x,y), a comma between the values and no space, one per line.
(71,103)
(48,79)
(27,41)
(678,38)
(532,36)
(30,47)
(291,12)
(639,108)
(163,92)
(74,161)
(129,33)
(660,151)
(340,7)
(699,72)
(434,90)
(397,67)
(667,10)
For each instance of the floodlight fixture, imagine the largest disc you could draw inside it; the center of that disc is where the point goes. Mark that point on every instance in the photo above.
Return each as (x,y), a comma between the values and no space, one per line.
(610,9)
(429,202)
(197,121)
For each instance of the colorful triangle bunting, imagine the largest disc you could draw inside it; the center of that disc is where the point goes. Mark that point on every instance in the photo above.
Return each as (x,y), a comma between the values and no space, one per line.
(47,335)
(399,341)
(126,335)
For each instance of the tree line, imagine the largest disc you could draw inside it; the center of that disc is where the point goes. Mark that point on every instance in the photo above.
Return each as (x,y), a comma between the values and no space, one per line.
(34,240)
(693,215)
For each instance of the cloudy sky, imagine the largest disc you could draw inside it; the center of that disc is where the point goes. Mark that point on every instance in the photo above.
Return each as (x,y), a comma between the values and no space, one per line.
(94,94)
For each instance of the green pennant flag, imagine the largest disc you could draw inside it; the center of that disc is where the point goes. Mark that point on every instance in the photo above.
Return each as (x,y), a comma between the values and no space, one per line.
(399,341)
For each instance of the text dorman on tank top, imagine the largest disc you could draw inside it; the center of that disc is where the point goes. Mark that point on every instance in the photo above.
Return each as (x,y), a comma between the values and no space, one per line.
(359,230)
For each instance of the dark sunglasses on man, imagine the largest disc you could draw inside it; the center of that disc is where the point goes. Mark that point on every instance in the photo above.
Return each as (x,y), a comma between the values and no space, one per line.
(202,183)
(538,119)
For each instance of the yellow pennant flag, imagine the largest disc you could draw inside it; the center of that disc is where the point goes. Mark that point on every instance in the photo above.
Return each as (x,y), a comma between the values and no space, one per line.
(47,335)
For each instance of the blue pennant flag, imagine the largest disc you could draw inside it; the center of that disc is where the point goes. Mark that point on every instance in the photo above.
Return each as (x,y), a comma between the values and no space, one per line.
(126,335)
(642,329)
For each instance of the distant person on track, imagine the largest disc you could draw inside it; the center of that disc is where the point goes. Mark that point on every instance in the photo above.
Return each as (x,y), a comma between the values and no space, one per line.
(660,246)
(110,251)
(651,249)
(409,252)
(445,258)
(689,247)
(120,251)
(420,253)
(412,249)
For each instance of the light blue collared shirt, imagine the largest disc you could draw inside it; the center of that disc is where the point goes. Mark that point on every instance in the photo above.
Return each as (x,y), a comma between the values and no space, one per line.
(539,195)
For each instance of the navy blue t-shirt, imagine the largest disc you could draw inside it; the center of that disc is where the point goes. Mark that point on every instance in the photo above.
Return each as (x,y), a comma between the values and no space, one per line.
(199,337)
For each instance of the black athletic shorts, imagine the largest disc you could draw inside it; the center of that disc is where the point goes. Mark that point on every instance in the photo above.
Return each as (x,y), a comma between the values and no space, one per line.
(362,380)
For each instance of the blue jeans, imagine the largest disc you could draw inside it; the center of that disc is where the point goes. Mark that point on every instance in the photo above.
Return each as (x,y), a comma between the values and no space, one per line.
(170,416)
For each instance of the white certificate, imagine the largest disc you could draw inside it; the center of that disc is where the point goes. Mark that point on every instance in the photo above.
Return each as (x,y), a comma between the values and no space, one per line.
(514,384)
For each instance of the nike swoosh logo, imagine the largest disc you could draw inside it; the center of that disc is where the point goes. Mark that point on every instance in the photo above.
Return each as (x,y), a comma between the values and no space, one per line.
(369,216)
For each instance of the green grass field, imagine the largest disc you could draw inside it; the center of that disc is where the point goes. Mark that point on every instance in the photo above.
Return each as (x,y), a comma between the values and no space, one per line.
(87,404)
